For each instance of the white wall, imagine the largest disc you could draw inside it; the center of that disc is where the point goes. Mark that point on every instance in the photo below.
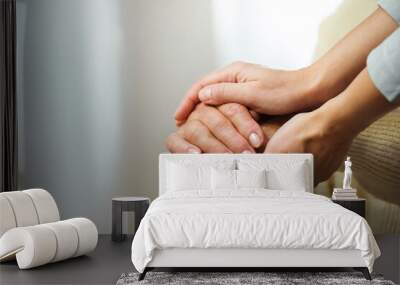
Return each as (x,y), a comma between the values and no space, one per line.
(280,34)
(99,81)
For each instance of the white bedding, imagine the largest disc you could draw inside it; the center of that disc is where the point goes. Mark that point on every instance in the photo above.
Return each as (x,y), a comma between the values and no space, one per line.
(251,218)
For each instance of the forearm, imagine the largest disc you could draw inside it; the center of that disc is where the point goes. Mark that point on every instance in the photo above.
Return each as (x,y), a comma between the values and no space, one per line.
(341,64)
(356,107)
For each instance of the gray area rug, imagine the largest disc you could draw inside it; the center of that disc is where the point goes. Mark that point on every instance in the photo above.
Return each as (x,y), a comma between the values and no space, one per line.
(232,278)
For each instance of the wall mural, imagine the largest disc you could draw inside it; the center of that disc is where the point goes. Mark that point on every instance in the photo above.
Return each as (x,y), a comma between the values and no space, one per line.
(375,152)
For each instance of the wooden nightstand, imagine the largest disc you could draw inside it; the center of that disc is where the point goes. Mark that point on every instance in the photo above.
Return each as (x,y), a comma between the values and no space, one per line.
(356,205)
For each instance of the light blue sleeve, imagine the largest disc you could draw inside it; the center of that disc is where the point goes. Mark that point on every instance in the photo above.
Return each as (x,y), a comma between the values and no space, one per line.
(383,65)
(383,62)
(392,7)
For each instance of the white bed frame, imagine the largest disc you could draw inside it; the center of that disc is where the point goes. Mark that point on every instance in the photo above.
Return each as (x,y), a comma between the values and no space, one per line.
(250,258)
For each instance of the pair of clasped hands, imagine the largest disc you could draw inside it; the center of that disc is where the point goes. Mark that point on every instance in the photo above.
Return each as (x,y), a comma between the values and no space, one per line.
(248,108)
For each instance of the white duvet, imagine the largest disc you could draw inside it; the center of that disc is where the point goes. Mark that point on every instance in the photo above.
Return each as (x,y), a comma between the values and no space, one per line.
(250,219)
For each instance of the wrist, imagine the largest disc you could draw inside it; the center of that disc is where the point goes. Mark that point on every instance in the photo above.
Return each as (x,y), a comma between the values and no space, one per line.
(327,80)
(318,88)
(335,122)
(338,120)
(355,108)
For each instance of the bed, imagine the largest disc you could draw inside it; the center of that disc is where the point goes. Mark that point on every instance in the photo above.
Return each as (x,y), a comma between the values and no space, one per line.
(246,211)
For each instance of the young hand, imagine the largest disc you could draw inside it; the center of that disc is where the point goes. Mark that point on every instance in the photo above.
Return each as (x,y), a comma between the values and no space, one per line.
(276,92)
(261,89)
(328,131)
(312,133)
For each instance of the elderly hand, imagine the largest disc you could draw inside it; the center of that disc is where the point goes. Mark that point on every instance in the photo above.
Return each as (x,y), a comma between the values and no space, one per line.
(227,128)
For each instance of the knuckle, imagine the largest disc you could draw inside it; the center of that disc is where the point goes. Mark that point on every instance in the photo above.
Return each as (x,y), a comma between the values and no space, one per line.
(193,130)
(219,123)
(233,109)
(199,111)
(203,113)
(202,107)
(194,115)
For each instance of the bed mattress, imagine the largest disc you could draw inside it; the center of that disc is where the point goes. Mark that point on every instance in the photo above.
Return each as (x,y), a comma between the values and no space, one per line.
(251,219)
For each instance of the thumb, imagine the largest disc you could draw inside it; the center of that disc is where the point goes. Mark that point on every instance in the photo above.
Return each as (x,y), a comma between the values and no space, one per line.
(270,148)
(277,144)
(221,93)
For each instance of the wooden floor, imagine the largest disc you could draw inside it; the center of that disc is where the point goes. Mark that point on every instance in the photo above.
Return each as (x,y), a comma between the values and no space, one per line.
(110,260)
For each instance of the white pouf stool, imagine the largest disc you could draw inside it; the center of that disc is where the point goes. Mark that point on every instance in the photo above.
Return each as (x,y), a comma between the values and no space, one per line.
(31,231)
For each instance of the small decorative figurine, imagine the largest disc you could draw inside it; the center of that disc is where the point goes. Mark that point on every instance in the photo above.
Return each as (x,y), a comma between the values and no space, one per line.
(347,174)
(345,193)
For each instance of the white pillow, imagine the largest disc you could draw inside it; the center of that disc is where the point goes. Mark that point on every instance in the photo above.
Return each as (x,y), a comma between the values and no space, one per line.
(251,178)
(290,179)
(281,174)
(187,174)
(223,179)
(182,177)
(237,179)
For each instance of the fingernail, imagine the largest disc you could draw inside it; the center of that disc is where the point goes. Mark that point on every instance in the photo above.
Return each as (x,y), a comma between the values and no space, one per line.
(205,94)
(247,152)
(193,151)
(255,140)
